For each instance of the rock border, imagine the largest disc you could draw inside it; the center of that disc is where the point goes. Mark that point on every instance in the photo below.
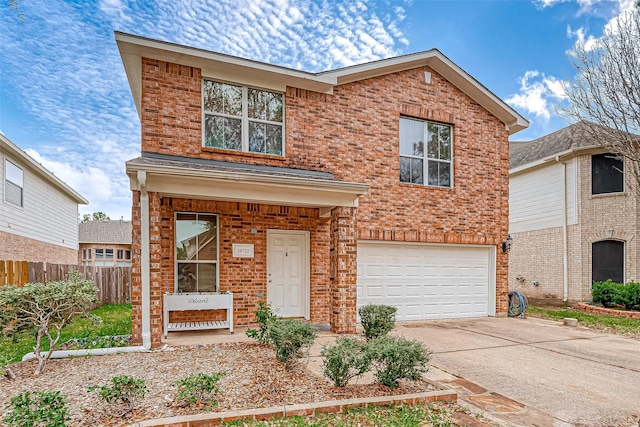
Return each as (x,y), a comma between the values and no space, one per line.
(309,409)
(582,306)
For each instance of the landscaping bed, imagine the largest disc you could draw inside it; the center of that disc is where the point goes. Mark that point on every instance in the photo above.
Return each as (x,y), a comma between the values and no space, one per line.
(254,379)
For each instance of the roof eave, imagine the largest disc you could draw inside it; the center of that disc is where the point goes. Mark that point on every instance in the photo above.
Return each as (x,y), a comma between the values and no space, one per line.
(133,48)
(16,151)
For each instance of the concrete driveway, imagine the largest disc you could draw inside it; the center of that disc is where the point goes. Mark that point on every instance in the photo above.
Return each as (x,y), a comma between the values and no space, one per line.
(534,372)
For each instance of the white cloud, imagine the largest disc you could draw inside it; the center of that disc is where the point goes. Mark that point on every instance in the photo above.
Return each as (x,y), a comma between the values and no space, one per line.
(536,90)
(82,122)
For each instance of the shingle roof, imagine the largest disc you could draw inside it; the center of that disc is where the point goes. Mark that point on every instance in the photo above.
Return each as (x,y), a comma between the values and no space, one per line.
(115,232)
(571,137)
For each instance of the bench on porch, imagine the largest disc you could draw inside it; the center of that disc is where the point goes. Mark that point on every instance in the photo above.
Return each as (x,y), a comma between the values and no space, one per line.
(198,301)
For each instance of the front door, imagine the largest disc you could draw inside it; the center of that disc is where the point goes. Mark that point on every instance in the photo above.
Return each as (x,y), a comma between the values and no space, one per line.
(288,272)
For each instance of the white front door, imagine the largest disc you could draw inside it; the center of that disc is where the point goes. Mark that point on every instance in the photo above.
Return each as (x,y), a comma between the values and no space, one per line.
(288,272)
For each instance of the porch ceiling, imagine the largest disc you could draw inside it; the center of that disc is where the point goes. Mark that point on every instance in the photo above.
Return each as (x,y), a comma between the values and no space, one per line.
(175,176)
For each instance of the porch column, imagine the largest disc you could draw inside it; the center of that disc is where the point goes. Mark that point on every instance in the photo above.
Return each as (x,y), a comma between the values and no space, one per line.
(343,258)
(144,258)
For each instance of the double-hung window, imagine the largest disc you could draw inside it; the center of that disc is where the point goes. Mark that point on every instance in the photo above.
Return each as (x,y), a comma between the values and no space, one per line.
(196,251)
(426,153)
(607,174)
(242,118)
(14,184)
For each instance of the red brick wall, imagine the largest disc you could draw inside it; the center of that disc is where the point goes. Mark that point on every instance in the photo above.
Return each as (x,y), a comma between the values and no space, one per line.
(19,248)
(353,134)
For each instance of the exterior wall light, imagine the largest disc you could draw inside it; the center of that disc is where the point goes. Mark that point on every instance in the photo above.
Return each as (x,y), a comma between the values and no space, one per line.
(506,245)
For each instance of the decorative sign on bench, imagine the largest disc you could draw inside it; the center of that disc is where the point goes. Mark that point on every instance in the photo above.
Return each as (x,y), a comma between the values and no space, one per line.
(198,301)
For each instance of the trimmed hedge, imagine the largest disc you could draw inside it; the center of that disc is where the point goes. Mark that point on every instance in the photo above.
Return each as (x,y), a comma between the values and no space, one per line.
(612,293)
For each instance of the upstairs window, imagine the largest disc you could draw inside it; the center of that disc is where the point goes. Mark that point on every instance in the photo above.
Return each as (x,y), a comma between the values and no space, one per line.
(426,153)
(14,184)
(241,118)
(607,174)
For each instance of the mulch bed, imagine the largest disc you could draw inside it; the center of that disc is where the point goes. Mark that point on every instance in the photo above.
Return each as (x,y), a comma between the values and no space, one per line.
(254,379)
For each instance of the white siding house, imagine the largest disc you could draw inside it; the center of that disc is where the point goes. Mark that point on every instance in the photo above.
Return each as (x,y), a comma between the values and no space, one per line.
(38,212)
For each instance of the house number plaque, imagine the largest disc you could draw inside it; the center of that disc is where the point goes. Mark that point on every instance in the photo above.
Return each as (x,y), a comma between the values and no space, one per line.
(242,250)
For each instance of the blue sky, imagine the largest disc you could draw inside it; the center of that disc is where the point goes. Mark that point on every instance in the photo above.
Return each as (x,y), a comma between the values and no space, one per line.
(65,100)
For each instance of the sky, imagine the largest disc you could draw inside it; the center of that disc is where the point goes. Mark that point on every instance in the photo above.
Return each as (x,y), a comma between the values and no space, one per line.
(65,99)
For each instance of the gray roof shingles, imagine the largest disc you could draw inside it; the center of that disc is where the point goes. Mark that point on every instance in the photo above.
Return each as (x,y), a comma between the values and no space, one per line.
(113,232)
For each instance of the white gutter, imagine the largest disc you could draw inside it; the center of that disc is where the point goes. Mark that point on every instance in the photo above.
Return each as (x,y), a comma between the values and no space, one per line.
(63,354)
(145,260)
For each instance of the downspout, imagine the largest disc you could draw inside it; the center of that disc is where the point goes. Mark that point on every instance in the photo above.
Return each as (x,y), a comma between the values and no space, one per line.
(565,245)
(145,260)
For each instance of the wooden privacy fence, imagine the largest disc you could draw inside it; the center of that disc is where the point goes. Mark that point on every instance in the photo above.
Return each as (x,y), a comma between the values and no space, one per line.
(114,283)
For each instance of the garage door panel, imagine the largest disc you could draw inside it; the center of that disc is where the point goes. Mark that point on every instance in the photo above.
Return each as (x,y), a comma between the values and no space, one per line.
(425,282)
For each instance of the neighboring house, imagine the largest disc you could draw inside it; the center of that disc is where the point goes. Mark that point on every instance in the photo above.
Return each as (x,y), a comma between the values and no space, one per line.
(573,217)
(105,243)
(384,182)
(38,212)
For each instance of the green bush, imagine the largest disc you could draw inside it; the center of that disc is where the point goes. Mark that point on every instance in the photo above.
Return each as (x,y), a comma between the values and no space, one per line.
(264,315)
(395,358)
(606,293)
(40,408)
(346,359)
(199,389)
(630,296)
(47,308)
(125,392)
(377,320)
(288,336)
(609,293)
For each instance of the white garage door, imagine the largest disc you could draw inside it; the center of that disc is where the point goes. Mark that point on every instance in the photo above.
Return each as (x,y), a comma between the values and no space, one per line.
(427,281)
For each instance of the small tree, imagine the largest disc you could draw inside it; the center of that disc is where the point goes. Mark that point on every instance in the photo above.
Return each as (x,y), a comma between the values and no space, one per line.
(604,94)
(96,216)
(46,307)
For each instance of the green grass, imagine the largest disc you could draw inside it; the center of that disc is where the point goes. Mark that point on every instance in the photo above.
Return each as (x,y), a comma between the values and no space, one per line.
(601,322)
(435,415)
(116,320)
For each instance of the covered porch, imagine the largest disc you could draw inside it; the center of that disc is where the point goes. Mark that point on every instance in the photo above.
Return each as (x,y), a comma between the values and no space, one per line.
(280,235)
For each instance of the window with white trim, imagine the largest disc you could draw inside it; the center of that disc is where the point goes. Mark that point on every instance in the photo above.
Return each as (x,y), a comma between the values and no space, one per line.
(14,184)
(426,153)
(242,118)
(196,252)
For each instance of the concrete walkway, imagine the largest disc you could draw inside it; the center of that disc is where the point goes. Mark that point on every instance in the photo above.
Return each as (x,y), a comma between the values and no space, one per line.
(517,372)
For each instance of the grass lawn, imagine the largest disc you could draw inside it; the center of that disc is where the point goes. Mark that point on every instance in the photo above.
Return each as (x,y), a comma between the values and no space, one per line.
(116,320)
(600,322)
(435,415)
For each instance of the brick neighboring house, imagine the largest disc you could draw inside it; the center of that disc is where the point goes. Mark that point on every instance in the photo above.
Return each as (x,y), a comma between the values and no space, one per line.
(574,217)
(38,212)
(105,243)
(311,186)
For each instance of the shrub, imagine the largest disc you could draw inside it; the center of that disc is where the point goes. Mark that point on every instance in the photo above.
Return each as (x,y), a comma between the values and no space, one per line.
(264,315)
(47,308)
(395,358)
(606,293)
(40,408)
(377,320)
(199,389)
(630,296)
(346,359)
(126,392)
(289,336)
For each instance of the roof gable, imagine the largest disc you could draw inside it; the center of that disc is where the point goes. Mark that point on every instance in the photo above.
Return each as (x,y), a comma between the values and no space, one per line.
(6,146)
(133,48)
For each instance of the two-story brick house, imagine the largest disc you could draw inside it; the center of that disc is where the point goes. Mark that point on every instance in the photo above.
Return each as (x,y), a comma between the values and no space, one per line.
(383,182)
(574,218)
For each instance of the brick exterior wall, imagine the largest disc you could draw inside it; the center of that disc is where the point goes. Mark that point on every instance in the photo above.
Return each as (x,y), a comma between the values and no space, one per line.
(19,248)
(538,255)
(353,134)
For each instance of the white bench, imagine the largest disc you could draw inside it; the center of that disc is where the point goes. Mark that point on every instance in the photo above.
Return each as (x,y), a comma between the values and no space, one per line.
(198,301)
